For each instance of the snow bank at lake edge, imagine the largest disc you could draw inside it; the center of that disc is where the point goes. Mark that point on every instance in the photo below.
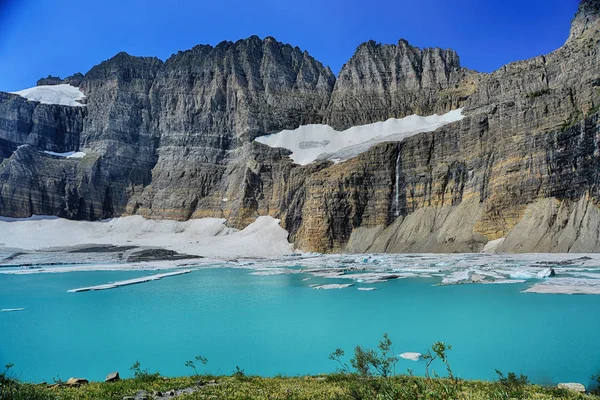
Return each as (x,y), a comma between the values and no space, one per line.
(208,237)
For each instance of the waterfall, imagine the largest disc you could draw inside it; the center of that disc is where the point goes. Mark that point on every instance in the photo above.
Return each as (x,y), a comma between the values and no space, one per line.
(396,201)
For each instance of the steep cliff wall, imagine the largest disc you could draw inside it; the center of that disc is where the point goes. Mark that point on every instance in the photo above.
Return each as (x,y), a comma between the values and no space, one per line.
(530,134)
(175,140)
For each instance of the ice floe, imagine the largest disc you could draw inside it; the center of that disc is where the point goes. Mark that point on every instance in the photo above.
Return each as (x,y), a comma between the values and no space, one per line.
(566,286)
(332,286)
(311,142)
(366,289)
(129,281)
(11,309)
(411,356)
(64,94)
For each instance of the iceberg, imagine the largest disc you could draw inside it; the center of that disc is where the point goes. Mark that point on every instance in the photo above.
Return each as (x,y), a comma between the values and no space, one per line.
(129,281)
(411,356)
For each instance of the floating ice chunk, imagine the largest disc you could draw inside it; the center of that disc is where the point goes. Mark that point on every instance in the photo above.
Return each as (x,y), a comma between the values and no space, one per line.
(522,274)
(65,95)
(455,277)
(504,281)
(366,289)
(69,154)
(130,281)
(566,286)
(333,286)
(545,273)
(411,356)
(11,309)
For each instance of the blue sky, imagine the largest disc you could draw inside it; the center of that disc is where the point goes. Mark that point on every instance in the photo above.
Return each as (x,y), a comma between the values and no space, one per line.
(61,37)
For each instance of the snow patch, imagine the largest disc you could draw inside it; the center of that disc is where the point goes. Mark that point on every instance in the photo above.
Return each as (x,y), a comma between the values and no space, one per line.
(492,245)
(311,142)
(208,237)
(69,154)
(65,95)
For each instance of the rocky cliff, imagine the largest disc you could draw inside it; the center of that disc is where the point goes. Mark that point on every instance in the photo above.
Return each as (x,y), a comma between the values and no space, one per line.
(174,140)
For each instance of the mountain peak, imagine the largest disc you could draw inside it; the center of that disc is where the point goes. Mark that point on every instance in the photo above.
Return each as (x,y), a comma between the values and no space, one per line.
(588,15)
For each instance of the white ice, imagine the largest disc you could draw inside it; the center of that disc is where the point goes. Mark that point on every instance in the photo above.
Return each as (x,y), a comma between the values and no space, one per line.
(311,142)
(332,286)
(11,309)
(130,281)
(411,356)
(69,154)
(64,94)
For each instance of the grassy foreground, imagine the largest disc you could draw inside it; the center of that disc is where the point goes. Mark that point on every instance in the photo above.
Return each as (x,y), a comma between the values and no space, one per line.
(333,386)
(370,375)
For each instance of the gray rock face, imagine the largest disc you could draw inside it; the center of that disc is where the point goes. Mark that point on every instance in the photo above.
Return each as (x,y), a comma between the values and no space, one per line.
(393,81)
(208,101)
(175,140)
(49,80)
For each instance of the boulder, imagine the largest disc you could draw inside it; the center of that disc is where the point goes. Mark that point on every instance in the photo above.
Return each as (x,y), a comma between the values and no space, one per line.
(574,387)
(112,377)
(77,381)
(141,395)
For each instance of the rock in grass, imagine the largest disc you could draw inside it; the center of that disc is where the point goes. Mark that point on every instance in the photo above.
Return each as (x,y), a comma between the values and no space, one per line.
(574,387)
(77,381)
(112,377)
(141,395)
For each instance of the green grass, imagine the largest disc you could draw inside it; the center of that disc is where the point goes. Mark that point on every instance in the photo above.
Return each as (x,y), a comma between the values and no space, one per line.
(333,386)
(538,93)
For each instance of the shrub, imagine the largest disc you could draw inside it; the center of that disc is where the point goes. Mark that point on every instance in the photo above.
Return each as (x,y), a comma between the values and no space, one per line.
(512,386)
(142,375)
(192,364)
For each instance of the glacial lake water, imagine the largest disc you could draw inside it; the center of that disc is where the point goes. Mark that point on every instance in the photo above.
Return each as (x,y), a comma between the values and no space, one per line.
(278,324)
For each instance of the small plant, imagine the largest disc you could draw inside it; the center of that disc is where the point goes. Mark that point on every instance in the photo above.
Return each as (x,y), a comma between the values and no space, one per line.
(238,373)
(142,375)
(513,386)
(367,362)
(192,364)
(596,379)
(337,357)
(437,351)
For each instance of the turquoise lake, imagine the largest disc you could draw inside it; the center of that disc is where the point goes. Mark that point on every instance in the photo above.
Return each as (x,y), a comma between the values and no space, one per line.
(269,325)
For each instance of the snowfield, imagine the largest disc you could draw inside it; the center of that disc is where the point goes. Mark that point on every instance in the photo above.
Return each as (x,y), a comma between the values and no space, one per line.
(313,142)
(208,237)
(69,154)
(65,95)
